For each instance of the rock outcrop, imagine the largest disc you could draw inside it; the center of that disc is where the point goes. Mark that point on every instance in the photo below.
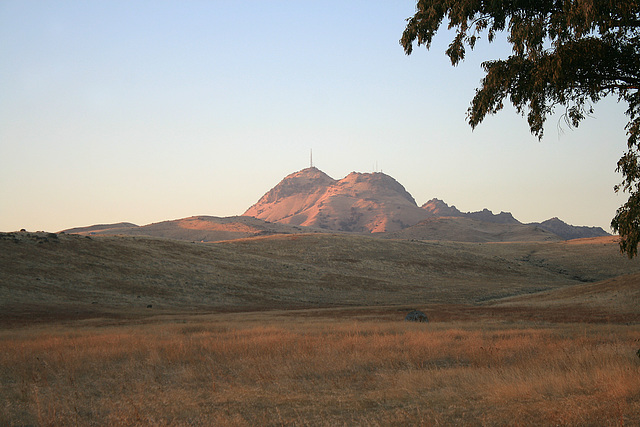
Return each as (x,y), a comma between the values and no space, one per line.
(416,316)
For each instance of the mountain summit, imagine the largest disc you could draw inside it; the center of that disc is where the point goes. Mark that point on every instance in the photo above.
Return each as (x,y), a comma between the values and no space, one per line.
(310,181)
(360,202)
(377,203)
(438,208)
(296,193)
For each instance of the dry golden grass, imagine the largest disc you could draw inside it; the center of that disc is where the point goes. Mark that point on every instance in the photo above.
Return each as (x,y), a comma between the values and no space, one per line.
(44,276)
(279,369)
(552,359)
(619,295)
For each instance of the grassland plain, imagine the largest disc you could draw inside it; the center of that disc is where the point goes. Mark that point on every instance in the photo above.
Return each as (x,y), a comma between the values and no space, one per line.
(320,367)
(48,276)
(308,330)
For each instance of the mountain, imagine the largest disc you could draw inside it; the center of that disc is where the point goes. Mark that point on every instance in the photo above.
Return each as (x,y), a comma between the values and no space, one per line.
(439,208)
(360,202)
(295,193)
(569,232)
(488,216)
(195,228)
(310,201)
(464,229)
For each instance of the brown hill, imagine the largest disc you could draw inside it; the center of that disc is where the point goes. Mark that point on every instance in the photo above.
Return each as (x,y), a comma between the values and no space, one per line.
(195,228)
(117,228)
(568,232)
(360,202)
(620,293)
(43,274)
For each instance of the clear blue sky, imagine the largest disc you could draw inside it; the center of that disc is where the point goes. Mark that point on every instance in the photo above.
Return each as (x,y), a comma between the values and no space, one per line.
(145,111)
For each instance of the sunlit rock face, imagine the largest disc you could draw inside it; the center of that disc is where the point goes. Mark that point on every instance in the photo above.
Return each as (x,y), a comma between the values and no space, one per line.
(377,203)
(439,208)
(360,202)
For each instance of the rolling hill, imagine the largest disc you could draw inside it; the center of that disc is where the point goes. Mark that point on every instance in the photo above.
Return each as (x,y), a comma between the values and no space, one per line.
(195,229)
(620,293)
(48,274)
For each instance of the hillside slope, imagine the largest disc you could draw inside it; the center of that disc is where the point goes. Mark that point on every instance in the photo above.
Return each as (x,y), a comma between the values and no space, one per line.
(195,229)
(621,293)
(45,274)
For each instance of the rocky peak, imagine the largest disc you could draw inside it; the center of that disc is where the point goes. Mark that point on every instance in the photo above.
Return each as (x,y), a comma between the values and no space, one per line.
(360,202)
(439,208)
(375,184)
(372,202)
(488,216)
(309,180)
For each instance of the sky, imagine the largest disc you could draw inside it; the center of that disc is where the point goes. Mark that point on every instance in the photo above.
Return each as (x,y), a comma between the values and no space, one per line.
(145,111)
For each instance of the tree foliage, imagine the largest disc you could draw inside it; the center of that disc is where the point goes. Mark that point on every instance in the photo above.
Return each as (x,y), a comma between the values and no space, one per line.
(568,53)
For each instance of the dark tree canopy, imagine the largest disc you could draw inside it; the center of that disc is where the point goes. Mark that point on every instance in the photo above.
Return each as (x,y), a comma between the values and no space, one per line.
(568,53)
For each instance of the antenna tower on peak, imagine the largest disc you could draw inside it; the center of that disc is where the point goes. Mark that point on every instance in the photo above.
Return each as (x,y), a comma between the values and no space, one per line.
(311,157)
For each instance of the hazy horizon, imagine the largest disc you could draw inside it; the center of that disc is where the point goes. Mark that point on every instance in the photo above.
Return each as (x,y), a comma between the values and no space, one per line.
(142,112)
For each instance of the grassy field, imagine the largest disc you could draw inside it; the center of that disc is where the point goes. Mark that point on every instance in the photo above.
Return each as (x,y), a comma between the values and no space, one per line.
(48,276)
(320,367)
(309,330)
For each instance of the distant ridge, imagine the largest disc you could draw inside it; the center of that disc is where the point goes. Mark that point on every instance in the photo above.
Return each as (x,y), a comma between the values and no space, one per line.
(488,216)
(569,232)
(196,228)
(439,209)
(310,201)
(100,228)
(377,203)
(465,229)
